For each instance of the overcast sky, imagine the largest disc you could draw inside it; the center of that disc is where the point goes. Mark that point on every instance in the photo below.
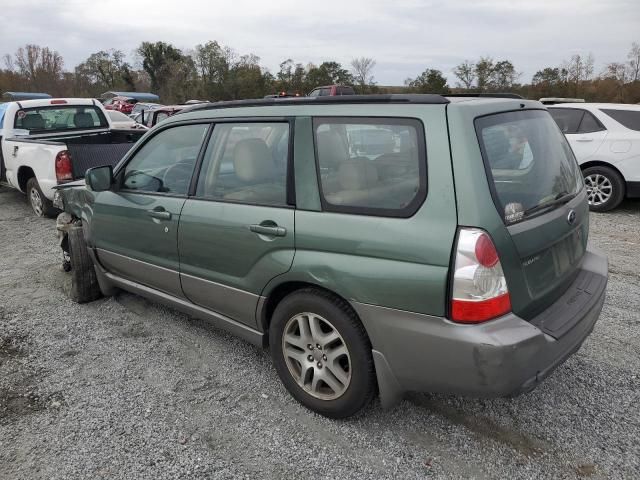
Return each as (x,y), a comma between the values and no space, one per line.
(404,37)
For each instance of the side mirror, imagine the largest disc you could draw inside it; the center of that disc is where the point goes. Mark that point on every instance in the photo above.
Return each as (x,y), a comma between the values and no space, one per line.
(99,179)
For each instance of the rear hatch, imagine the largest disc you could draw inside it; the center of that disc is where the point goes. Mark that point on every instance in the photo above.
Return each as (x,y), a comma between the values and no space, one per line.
(538,191)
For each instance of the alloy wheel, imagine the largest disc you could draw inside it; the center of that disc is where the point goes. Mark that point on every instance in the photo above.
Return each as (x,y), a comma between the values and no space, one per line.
(599,189)
(36,202)
(317,356)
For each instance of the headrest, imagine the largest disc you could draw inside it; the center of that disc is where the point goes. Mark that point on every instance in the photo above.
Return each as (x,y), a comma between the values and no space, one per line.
(331,149)
(33,121)
(357,175)
(252,161)
(83,120)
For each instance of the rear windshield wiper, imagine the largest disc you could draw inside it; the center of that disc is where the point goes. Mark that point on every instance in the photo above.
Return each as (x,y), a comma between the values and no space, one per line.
(560,199)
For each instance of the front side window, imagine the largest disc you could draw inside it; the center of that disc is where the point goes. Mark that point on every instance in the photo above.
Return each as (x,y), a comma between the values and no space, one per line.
(246,163)
(529,162)
(51,119)
(165,163)
(628,118)
(371,166)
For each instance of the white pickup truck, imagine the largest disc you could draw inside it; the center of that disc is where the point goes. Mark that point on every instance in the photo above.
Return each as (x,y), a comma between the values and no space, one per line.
(51,141)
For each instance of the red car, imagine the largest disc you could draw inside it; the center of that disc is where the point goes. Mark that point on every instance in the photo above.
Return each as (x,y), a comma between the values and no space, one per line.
(121,104)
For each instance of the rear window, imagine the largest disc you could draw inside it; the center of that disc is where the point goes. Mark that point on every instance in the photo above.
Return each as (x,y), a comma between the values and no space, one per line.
(628,118)
(3,108)
(55,119)
(371,166)
(528,161)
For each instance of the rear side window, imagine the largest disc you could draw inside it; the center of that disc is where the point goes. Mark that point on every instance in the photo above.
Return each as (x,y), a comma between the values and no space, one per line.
(45,119)
(528,162)
(590,124)
(568,119)
(628,118)
(246,163)
(371,166)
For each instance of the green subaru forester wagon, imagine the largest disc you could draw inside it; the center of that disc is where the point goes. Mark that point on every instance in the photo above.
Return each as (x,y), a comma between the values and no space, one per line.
(376,244)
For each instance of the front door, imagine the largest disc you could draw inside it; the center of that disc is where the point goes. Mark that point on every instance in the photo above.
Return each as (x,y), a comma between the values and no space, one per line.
(237,232)
(135,226)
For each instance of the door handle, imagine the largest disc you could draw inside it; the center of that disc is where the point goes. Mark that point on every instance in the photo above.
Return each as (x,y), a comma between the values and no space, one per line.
(271,230)
(584,139)
(159,214)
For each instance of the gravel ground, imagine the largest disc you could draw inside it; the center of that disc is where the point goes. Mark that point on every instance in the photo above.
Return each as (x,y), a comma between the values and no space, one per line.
(125,388)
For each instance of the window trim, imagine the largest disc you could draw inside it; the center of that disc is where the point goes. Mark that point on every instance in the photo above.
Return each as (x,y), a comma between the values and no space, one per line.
(290,197)
(423,172)
(120,167)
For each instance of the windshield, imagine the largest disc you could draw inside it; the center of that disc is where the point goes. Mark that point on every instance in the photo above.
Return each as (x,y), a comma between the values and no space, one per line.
(60,118)
(529,162)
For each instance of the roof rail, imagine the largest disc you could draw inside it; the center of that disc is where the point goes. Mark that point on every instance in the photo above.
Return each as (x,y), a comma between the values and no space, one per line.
(338,99)
(486,95)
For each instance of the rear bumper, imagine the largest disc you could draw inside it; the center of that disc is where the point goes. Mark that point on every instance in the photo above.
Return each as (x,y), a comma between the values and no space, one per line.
(506,356)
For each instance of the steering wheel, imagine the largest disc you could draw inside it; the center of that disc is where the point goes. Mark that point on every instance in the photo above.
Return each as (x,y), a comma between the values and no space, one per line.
(177,177)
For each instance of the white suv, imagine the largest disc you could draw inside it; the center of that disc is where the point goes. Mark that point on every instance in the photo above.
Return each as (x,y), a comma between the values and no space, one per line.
(605,138)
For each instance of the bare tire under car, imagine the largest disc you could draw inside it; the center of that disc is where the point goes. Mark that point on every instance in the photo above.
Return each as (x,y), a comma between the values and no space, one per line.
(322,353)
(84,283)
(41,205)
(605,188)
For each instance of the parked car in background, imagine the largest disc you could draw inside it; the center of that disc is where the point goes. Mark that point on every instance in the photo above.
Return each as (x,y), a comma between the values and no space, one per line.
(121,121)
(283,95)
(144,106)
(406,243)
(151,118)
(605,138)
(125,101)
(51,141)
(331,90)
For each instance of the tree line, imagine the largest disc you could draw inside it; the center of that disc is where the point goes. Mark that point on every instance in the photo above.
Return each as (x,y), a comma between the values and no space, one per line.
(213,71)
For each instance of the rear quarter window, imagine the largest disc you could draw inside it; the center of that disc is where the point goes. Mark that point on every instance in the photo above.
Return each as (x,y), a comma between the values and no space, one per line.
(628,118)
(371,166)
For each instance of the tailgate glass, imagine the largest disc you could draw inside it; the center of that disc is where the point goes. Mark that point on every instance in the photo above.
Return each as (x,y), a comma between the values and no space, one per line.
(530,166)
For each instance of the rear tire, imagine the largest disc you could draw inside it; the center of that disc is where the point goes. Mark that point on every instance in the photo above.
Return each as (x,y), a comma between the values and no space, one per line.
(84,283)
(605,188)
(312,318)
(41,205)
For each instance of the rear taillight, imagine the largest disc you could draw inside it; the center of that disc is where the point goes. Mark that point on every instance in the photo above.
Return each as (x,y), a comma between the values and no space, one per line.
(64,172)
(479,289)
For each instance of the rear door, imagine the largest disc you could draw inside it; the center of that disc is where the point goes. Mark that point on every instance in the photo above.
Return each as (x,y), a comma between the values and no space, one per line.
(584,131)
(237,230)
(538,191)
(135,226)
